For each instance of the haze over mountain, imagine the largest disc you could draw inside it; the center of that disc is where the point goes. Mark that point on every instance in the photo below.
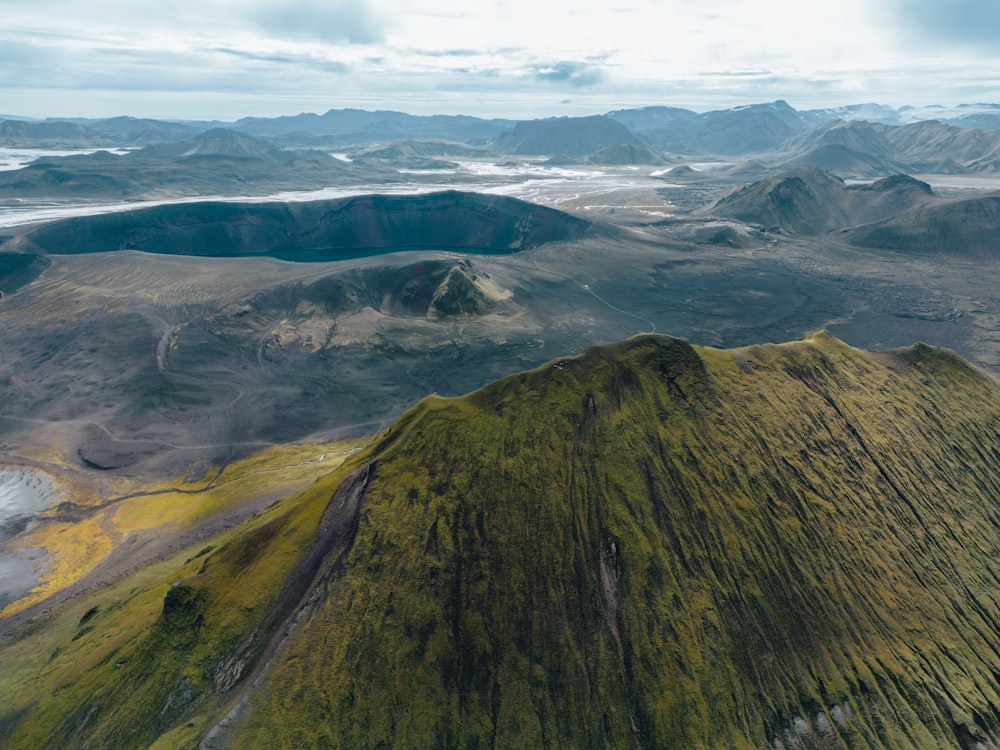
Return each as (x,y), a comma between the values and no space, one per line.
(750,142)
(650,119)
(112,132)
(741,130)
(359,127)
(243,158)
(865,149)
(217,160)
(575,136)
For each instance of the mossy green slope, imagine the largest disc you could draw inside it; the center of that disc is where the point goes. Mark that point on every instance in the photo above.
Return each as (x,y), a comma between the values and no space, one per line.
(155,655)
(654,545)
(650,545)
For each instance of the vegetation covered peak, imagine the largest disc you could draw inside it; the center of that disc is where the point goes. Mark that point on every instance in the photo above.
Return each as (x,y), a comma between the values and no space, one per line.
(659,545)
(650,544)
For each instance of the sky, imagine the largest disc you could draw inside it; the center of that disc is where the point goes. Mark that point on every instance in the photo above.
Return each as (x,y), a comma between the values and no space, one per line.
(224,59)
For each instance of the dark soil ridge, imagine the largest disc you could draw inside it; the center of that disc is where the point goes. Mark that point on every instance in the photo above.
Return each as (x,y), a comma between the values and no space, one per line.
(315,231)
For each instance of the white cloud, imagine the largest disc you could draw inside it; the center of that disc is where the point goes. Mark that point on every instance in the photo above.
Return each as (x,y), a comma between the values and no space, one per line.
(321,21)
(505,57)
(963,24)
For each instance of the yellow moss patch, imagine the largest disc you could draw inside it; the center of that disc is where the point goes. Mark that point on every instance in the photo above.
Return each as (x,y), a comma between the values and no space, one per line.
(80,546)
(75,548)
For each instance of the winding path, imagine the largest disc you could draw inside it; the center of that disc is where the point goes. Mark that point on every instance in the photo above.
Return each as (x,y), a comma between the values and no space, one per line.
(586,287)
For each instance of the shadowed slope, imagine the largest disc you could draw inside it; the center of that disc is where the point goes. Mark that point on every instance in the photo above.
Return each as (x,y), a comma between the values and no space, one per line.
(18,270)
(968,228)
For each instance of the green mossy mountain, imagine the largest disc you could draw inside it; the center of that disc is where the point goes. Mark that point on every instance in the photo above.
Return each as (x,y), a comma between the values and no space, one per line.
(653,545)
(648,545)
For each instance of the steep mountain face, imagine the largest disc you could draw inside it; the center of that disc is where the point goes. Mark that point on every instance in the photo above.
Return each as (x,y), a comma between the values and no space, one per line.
(360,127)
(573,136)
(14,133)
(654,545)
(650,119)
(988,122)
(929,142)
(648,545)
(867,149)
(810,201)
(318,230)
(967,228)
(741,130)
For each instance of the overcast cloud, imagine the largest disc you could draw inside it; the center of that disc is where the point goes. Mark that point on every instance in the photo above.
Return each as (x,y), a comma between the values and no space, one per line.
(514,58)
(952,24)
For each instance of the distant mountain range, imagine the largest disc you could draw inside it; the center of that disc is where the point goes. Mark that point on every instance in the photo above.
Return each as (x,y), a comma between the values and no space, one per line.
(172,159)
(575,136)
(865,148)
(112,132)
(676,129)
(215,161)
(731,131)
(257,156)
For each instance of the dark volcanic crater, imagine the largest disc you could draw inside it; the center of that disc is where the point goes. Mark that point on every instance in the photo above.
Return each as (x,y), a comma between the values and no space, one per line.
(315,231)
